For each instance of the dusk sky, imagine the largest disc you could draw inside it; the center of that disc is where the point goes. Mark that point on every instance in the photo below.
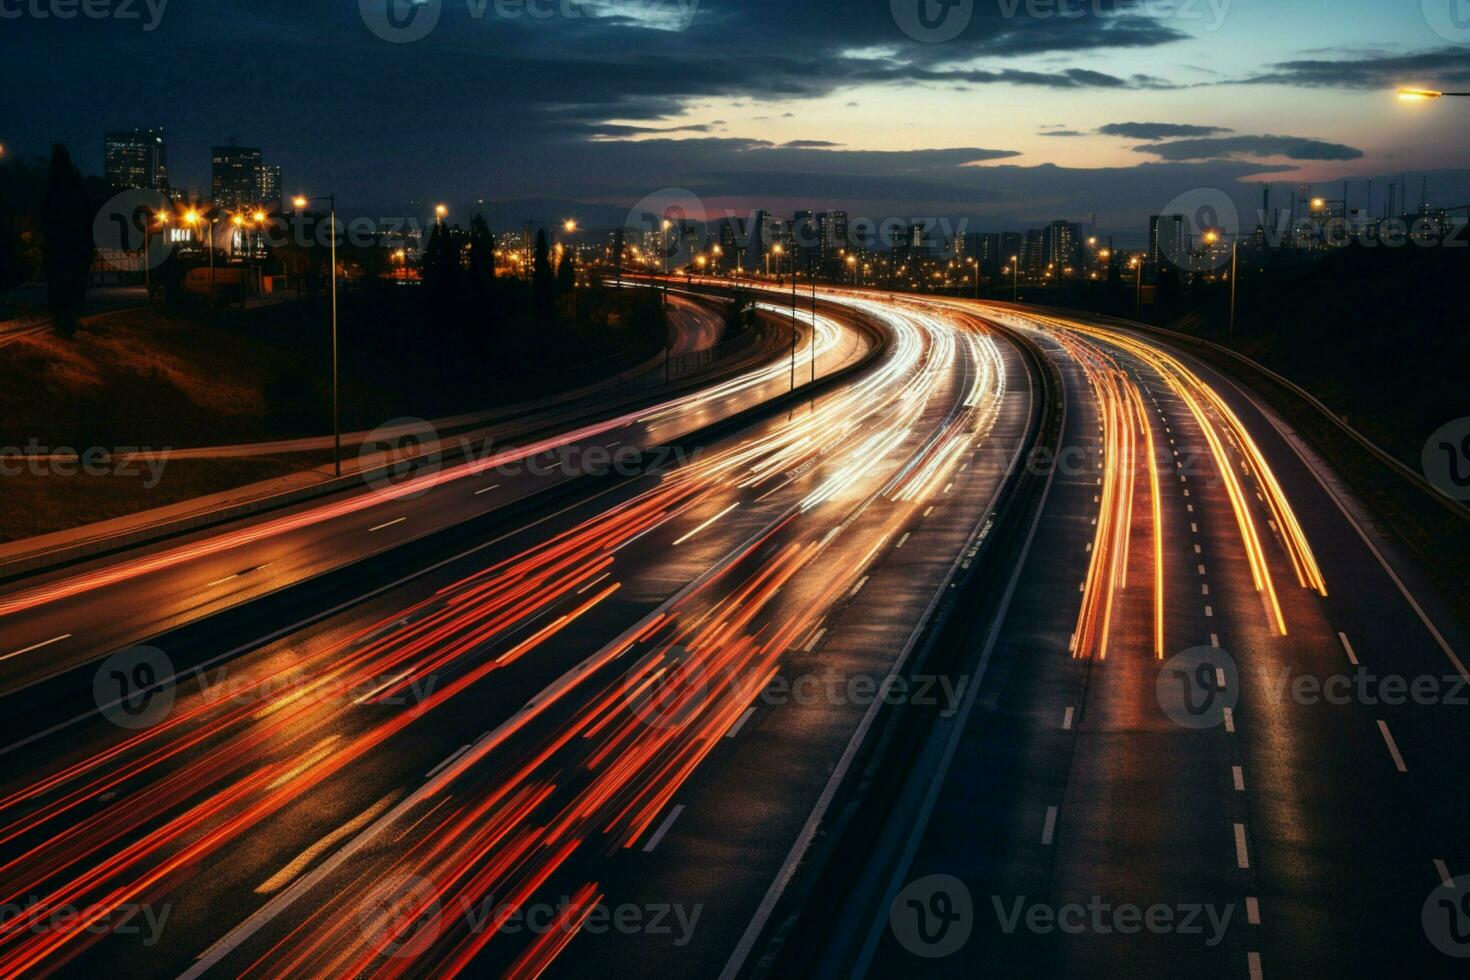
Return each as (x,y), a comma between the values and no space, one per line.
(1022,116)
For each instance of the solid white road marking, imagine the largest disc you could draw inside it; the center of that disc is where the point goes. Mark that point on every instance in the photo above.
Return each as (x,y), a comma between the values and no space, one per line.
(663,828)
(37,646)
(1393,748)
(1051,825)
(1348,647)
(708,523)
(740,722)
(458,752)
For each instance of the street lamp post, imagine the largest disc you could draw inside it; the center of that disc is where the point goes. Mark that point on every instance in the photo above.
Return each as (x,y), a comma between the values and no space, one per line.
(1234,253)
(1137,268)
(1015,276)
(161,219)
(331,200)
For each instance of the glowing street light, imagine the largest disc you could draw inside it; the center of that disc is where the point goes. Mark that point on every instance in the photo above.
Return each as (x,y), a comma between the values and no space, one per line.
(441,212)
(569,226)
(298,202)
(193,219)
(1426,94)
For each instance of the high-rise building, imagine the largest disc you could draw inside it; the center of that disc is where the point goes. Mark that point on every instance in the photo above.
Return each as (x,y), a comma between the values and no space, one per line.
(1064,246)
(1011,244)
(832,226)
(984,248)
(236,176)
(136,158)
(1166,241)
(1033,252)
(806,238)
(268,186)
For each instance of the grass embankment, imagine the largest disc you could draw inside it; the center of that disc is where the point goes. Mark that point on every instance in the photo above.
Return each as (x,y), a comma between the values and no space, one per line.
(164,377)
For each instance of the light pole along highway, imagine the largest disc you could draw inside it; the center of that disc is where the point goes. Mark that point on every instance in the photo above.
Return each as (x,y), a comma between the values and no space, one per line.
(300,202)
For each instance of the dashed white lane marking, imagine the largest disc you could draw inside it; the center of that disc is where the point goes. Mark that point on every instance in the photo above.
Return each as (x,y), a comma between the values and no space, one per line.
(1198,550)
(903,540)
(1242,859)
(1204,588)
(1229,720)
(1444,873)
(663,828)
(615,442)
(1209,611)
(1220,678)
(1189,507)
(1051,825)
(707,523)
(1348,649)
(740,722)
(37,646)
(1193,527)
(1393,748)
(389,524)
(948,487)
(1201,569)
(495,486)
(816,638)
(1215,640)
(1253,963)
(929,511)
(859,587)
(1253,910)
(1237,776)
(1067,719)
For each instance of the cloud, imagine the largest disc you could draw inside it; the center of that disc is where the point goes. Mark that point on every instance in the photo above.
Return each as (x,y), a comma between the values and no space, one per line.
(1373,71)
(1061,132)
(1251,147)
(808,145)
(1158,131)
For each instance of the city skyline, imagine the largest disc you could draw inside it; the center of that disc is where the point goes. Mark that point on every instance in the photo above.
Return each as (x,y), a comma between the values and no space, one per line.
(1217,97)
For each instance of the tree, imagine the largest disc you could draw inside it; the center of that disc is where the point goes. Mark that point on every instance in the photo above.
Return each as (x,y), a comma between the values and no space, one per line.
(543,287)
(66,234)
(566,274)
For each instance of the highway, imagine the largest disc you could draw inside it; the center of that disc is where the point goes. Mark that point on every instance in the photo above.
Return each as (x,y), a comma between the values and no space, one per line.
(1194,705)
(151,590)
(488,721)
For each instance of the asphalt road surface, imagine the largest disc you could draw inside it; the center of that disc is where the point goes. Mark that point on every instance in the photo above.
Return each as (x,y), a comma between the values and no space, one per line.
(539,723)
